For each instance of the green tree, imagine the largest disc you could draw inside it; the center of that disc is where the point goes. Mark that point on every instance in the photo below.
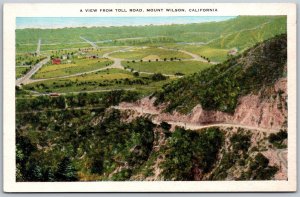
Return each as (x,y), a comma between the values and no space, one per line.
(66,171)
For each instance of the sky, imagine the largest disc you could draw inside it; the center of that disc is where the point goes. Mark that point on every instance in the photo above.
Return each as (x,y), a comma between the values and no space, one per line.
(61,22)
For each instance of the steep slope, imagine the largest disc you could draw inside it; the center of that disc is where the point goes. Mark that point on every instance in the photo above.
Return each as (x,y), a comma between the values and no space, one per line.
(258,73)
(244,37)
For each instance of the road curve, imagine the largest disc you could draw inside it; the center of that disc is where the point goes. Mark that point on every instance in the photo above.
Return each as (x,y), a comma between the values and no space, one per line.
(73,75)
(188,125)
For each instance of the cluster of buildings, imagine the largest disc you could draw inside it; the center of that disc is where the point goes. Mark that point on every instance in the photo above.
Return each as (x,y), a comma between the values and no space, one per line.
(68,58)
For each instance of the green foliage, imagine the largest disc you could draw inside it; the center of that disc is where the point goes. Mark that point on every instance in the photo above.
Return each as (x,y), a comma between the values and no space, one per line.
(240,142)
(259,169)
(73,147)
(141,35)
(21,71)
(220,86)
(165,125)
(102,99)
(278,138)
(28,59)
(238,154)
(136,74)
(179,68)
(97,164)
(154,52)
(80,66)
(158,77)
(187,150)
(66,171)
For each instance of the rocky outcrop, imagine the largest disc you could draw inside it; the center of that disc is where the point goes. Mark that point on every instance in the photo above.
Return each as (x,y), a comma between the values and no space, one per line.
(267,109)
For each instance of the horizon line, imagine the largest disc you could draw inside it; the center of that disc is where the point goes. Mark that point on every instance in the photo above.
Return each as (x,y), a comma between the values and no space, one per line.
(56,25)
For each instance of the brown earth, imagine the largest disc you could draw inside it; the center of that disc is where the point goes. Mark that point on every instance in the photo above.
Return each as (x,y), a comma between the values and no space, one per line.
(266,110)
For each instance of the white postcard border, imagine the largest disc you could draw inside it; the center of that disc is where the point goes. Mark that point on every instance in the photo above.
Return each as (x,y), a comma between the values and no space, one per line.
(11,11)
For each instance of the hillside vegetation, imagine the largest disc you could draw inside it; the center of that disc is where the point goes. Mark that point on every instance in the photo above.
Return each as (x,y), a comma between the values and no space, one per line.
(220,86)
(79,143)
(264,26)
(73,127)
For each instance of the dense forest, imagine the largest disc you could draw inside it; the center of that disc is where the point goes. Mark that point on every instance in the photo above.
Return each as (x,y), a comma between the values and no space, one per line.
(56,143)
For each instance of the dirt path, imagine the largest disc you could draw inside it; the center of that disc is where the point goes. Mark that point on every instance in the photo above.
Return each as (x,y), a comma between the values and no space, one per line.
(188,125)
(90,42)
(227,35)
(117,64)
(195,57)
(38,49)
(72,75)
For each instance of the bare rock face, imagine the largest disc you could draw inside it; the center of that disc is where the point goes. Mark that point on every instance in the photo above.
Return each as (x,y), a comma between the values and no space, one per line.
(267,109)
(270,112)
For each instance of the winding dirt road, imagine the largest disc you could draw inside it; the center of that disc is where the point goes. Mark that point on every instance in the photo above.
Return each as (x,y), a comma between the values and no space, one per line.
(189,125)
(117,64)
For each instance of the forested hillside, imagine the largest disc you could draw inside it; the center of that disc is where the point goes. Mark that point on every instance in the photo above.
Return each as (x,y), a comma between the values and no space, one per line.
(220,86)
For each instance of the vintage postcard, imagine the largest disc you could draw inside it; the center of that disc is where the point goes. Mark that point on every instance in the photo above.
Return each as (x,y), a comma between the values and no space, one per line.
(149,97)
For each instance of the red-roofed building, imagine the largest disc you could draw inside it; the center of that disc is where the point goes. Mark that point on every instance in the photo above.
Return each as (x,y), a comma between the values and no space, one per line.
(56,61)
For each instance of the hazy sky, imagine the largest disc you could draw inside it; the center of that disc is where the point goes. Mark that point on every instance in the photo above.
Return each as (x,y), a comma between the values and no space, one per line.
(60,22)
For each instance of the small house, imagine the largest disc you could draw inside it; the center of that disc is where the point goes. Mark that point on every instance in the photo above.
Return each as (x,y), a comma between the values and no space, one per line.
(56,61)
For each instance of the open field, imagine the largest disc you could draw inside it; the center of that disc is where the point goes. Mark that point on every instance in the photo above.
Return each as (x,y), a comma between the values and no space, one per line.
(137,54)
(76,66)
(174,67)
(20,71)
(214,54)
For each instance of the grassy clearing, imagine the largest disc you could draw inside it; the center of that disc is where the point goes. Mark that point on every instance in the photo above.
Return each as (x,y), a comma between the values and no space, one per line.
(214,54)
(110,74)
(184,67)
(20,71)
(77,66)
(140,53)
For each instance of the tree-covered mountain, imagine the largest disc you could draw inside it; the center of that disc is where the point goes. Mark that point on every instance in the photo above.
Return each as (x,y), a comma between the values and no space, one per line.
(219,87)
